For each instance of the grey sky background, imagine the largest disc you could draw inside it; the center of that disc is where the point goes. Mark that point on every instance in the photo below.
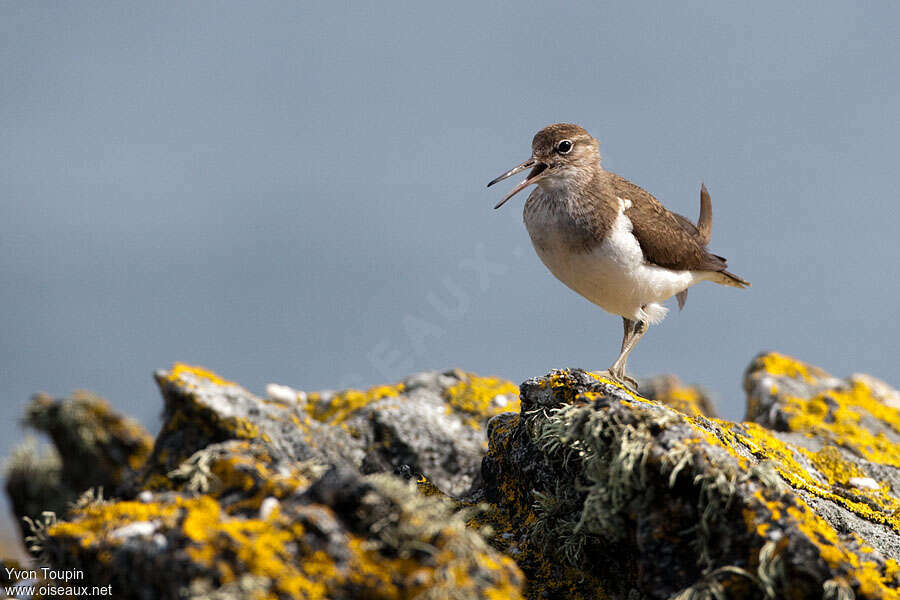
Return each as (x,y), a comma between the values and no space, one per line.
(295,192)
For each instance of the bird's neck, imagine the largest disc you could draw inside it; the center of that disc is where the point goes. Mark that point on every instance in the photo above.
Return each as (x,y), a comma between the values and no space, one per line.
(572,190)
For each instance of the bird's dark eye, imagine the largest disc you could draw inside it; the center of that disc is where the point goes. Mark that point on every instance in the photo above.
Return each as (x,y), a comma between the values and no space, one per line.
(564,147)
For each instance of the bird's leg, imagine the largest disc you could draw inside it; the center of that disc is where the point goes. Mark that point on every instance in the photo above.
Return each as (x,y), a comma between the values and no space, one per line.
(628,334)
(633,332)
(628,325)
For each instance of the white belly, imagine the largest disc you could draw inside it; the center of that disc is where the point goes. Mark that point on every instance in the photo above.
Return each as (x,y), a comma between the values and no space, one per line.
(612,275)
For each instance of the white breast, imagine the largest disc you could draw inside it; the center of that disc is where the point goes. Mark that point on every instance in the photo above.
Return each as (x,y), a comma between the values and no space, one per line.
(613,275)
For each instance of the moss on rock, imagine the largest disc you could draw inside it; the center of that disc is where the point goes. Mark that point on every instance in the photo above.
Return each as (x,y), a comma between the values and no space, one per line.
(641,500)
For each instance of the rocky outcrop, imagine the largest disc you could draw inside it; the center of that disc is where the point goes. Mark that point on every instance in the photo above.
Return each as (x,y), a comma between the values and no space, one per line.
(264,531)
(93,447)
(644,501)
(293,496)
(429,423)
(579,489)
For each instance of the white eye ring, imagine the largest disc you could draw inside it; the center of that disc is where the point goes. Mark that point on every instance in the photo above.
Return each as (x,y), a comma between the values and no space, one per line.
(559,146)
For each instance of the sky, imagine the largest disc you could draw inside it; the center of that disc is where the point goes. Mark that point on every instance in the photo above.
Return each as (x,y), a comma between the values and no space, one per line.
(295,192)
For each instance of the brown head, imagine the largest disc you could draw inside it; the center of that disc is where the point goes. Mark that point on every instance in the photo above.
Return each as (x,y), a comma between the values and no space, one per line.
(561,154)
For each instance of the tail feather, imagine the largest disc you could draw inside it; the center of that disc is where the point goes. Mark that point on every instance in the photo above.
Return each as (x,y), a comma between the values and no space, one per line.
(704,223)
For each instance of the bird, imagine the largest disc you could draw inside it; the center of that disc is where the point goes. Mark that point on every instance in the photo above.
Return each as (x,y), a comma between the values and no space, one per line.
(610,240)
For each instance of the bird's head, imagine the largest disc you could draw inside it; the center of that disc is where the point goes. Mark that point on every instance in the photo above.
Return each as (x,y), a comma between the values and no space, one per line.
(561,155)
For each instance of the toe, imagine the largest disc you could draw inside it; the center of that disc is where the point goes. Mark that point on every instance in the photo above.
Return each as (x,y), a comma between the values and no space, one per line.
(631,383)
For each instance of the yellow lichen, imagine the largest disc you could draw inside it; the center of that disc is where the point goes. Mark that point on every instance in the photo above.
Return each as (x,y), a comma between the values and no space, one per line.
(873,580)
(341,405)
(250,474)
(684,398)
(777,364)
(477,396)
(824,474)
(837,416)
(614,383)
(180,369)
(97,520)
(241,427)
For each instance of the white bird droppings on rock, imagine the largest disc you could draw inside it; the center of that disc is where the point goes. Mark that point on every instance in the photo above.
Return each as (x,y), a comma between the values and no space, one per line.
(267,507)
(137,528)
(283,393)
(866,483)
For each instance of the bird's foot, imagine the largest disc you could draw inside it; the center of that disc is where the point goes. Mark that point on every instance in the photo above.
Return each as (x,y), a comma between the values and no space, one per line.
(621,378)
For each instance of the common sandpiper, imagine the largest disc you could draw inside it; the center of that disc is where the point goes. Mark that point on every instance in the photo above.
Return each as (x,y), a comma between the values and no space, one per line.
(608,239)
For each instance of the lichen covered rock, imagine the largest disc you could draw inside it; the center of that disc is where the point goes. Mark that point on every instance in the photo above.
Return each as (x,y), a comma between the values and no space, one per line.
(858,414)
(93,447)
(643,501)
(431,423)
(268,498)
(688,399)
(279,534)
(582,488)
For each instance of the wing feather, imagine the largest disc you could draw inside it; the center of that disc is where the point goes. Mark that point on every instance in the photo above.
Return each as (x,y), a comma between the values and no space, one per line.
(666,238)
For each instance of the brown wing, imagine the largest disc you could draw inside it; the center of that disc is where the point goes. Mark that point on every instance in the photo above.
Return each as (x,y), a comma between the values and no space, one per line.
(667,239)
(690,227)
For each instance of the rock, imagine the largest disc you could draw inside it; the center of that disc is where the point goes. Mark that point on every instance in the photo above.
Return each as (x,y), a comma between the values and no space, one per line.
(601,493)
(269,529)
(431,423)
(202,409)
(94,447)
(588,491)
(856,414)
(250,497)
(669,390)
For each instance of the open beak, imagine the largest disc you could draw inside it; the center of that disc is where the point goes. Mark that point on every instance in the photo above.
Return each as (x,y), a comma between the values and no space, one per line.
(537,172)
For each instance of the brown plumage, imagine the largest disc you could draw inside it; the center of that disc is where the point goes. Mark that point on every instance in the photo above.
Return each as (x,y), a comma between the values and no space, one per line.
(668,239)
